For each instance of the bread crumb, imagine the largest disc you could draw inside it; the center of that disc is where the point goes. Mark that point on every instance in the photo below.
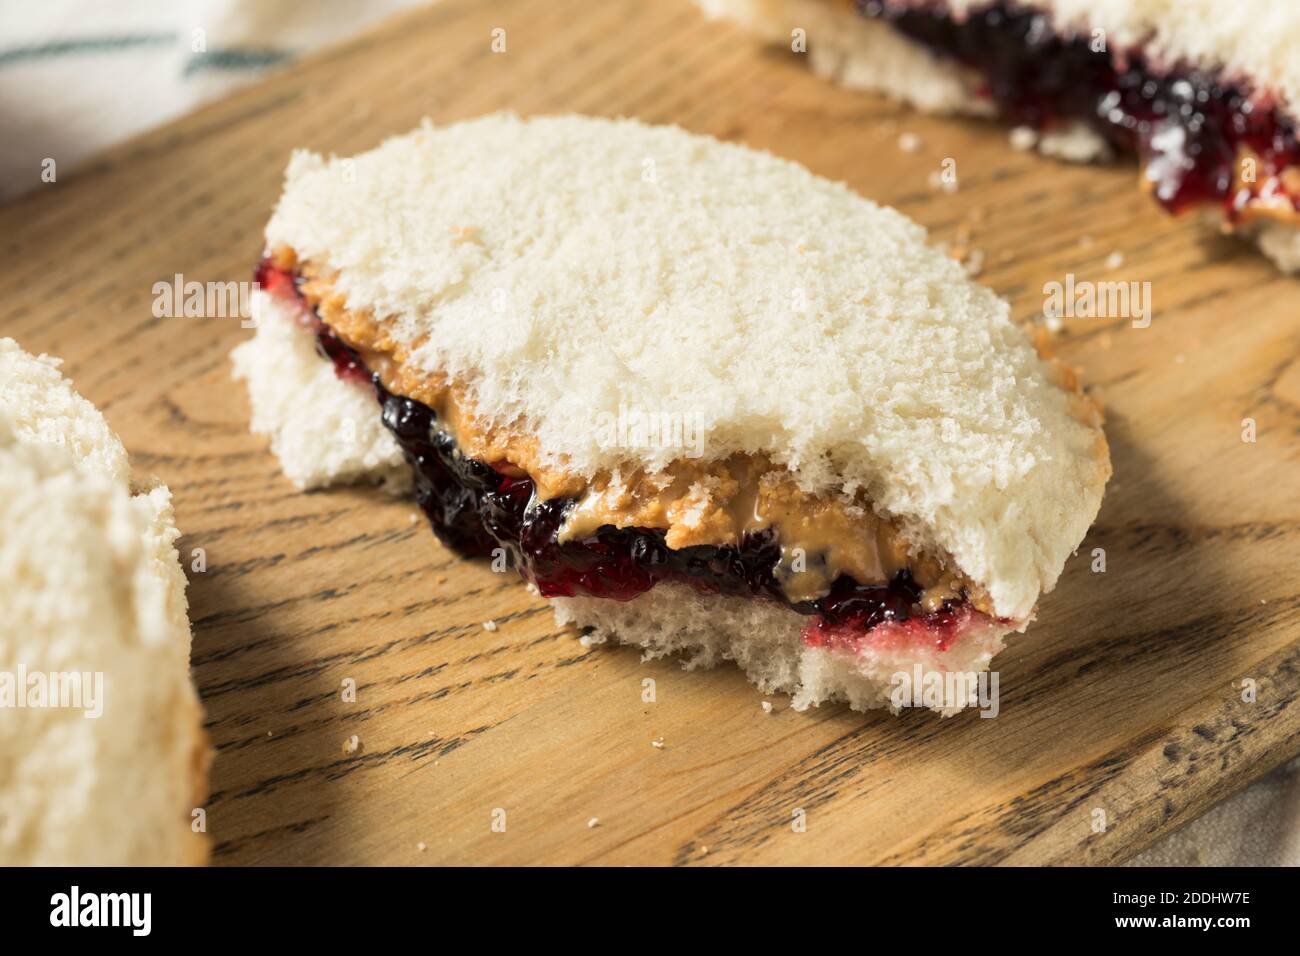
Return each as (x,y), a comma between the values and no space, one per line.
(909,142)
(937,181)
(422,846)
(972,260)
(489,625)
(593,822)
(657,743)
(1024,138)
(1115,260)
(352,744)
(767,706)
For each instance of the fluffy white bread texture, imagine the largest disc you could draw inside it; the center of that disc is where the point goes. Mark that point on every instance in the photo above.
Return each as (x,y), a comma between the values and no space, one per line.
(322,430)
(764,640)
(43,408)
(90,583)
(565,268)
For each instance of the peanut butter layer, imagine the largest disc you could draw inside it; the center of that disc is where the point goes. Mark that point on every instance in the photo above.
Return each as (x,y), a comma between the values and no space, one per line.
(501,446)
(695,502)
(720,502)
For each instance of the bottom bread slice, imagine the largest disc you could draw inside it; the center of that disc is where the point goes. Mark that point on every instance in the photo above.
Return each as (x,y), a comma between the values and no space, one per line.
(765,640)
(1280,242)
(323,431)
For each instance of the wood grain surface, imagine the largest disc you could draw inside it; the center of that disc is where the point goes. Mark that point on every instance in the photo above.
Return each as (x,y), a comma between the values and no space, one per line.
(1125,697)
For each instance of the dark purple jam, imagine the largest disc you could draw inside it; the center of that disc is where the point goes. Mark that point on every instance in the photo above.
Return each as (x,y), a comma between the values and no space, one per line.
(278,282)
(1186,124)
(478,511)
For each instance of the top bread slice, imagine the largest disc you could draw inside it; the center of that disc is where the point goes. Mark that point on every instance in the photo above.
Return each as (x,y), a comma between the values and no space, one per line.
(91,584)
(566,268)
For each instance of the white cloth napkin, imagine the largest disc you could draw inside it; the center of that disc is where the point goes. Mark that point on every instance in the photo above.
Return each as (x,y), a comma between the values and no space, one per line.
(1258,827)
(77,76)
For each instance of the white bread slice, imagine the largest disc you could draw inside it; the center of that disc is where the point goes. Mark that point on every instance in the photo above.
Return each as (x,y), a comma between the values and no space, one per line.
(321,430)
(45,409)
(764,640)
(90,582)
(564,267)
(1251,41)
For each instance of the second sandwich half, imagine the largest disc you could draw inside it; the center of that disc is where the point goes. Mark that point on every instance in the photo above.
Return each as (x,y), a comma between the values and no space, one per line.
(703,400)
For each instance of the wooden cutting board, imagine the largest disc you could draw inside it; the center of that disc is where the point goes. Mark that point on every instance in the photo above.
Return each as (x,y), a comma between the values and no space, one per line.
(1123,702)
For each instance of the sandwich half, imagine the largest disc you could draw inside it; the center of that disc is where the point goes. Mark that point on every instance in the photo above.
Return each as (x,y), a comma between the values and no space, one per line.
(1204,92)
(703,400)
(103,759)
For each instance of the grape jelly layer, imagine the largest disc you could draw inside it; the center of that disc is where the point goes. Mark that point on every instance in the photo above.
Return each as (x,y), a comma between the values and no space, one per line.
(481,512)
(1188,125)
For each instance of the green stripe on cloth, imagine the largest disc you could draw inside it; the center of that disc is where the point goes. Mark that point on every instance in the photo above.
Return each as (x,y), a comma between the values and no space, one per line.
(105,44)
(235,59)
